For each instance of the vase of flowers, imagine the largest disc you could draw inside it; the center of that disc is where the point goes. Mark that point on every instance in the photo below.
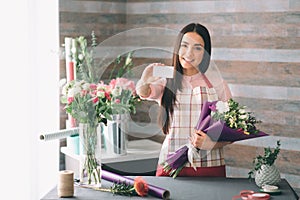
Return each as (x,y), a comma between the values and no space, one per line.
(81,100)
(264,169)
(123,100)
(107,104)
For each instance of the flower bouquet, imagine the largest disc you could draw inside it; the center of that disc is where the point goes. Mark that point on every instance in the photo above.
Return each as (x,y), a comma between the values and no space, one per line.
(88,101)
(227,121)
(221,121)
(123,96)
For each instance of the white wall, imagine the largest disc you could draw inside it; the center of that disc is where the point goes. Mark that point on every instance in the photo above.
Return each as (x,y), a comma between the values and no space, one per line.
(29,98)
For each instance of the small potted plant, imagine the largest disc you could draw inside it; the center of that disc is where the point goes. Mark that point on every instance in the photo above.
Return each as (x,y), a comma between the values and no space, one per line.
(264,170)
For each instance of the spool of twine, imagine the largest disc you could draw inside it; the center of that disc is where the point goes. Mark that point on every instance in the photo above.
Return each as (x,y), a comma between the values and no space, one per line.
(65,186)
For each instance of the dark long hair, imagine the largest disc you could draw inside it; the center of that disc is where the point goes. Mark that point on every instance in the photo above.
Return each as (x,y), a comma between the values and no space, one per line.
(168,100)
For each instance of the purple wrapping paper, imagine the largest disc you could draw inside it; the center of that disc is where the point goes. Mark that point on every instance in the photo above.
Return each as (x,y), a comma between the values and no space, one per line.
(153,190)
(178,158)
(217,130)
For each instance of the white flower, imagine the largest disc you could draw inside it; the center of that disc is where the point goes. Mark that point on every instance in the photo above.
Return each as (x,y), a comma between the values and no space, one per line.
(222,106)
(77,84)
(80,57)
(86,86)
(72,92)
(66,88)
(242,111)
(101,94)
(232,122)
(101,86)
(243,116)
(117,91)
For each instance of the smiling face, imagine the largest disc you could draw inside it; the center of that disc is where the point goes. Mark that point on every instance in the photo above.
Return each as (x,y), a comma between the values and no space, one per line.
(191,52)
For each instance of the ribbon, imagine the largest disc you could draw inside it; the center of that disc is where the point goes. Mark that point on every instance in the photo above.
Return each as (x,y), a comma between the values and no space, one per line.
(249,194)
(192,154)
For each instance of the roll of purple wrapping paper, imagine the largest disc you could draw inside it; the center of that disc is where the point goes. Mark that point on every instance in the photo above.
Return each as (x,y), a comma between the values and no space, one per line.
(153,190)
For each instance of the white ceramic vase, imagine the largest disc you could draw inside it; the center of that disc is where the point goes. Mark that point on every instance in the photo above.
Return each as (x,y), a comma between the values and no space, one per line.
(267,175)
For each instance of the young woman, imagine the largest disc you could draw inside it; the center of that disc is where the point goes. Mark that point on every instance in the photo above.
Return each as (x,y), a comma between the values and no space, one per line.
(181,99)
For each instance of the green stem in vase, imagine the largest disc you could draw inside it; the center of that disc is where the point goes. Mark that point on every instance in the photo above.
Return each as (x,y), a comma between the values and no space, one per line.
(90,144)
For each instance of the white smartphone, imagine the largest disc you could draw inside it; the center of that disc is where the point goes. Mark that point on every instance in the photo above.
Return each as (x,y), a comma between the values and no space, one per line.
(163,71)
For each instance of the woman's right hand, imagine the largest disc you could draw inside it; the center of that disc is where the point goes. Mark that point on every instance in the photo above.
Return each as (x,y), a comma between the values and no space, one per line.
(143,85)
(147,75)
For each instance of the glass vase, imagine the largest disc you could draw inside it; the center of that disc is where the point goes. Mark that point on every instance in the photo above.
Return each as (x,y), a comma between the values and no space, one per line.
(90,158)
(116,135)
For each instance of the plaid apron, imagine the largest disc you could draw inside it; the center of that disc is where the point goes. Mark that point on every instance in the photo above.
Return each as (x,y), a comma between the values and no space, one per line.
(185,117)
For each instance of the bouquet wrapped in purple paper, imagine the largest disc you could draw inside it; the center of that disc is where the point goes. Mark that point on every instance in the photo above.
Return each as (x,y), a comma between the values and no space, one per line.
(221,121)
(176,161)
(227,121)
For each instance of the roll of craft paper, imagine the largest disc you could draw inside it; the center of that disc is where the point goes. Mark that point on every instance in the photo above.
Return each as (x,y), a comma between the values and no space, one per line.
(65,186)
(153,190)
(59,134)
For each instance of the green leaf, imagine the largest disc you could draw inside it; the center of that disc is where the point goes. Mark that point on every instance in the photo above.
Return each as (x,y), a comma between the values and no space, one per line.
(268,158)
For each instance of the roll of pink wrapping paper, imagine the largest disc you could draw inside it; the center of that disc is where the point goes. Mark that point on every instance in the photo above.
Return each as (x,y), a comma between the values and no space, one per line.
(153,190)
(71,71)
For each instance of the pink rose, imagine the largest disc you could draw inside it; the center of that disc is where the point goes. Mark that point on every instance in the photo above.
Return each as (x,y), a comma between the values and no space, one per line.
(117,101)
(93,86)
(113,83)
(70,100)
(125,84)
(132,87)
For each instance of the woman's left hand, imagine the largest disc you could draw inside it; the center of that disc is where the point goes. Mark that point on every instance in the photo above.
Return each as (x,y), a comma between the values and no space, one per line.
(201,140)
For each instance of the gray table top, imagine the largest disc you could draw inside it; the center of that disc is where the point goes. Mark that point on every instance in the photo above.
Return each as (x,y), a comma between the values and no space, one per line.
(208,188)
